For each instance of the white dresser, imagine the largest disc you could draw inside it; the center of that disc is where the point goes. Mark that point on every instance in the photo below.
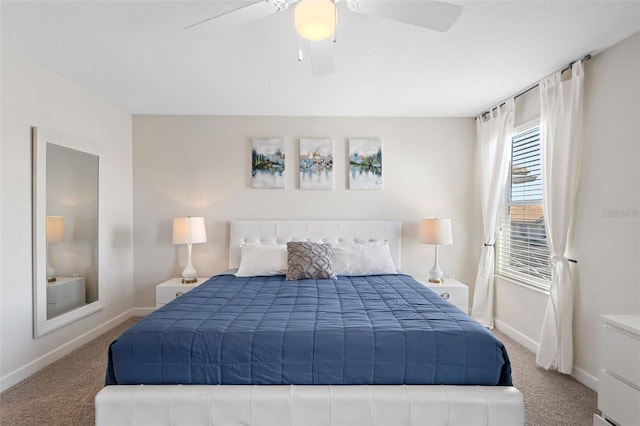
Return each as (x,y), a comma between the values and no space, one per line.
(619,380)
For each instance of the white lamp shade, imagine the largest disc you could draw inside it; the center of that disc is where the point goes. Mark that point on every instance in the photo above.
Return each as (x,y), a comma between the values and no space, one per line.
(189,230)
(315,19)
(55,229)
(436,231)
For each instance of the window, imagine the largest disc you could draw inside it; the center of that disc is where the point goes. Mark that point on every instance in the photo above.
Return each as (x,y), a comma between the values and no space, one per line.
(522,250)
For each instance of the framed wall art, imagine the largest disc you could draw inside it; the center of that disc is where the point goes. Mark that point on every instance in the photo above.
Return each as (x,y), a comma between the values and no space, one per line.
(365,163)
(316,164)
(267,163)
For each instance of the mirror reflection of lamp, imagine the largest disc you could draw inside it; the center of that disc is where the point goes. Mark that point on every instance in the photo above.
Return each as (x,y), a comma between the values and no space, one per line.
(55,234)
(189,230)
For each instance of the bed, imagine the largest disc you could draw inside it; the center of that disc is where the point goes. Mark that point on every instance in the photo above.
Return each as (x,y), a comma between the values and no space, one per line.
(370,350)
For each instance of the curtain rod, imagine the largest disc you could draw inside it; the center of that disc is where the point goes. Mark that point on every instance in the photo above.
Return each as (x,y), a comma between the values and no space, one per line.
(533,86)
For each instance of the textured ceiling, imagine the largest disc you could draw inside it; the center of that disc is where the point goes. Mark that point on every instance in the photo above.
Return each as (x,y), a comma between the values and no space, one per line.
(137,55)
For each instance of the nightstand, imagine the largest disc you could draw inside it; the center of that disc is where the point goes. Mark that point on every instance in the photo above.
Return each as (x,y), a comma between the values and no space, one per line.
(172,288)
(452,290)
(65,294)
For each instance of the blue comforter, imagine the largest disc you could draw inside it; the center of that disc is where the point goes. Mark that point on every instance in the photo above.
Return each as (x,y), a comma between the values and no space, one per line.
(382,329)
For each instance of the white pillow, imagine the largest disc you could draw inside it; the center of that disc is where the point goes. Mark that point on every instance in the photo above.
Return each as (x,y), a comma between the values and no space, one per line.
(363,259)
(262,260)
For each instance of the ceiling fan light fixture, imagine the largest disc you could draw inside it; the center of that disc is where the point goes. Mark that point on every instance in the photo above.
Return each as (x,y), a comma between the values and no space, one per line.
(315,20)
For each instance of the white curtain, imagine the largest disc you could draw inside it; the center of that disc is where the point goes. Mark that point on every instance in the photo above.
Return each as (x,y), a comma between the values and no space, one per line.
(560,123)
(494,148)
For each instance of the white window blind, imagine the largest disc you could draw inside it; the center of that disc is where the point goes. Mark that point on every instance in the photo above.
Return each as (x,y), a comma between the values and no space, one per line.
(522,251)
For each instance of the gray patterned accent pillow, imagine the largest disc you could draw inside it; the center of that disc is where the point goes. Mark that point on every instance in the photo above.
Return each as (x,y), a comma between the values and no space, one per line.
(307,260)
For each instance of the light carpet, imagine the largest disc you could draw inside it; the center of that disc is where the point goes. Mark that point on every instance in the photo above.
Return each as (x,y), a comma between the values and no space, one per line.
(62,393)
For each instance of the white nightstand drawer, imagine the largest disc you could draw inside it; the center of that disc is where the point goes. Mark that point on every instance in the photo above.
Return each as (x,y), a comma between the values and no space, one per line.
(170,289)
(622,353)
(453,291)
(619,379)
(599,421)
(618,401)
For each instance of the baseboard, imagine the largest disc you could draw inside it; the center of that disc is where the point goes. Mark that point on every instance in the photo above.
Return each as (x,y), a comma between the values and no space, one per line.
(514,334)
(32,367)
(141,312)
(587,379)
(578,373)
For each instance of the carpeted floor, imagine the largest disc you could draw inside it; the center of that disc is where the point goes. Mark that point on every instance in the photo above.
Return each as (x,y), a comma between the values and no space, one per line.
(62,393)
(550,398)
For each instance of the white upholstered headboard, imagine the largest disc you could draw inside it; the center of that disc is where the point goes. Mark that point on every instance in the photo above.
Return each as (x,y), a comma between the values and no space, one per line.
(335,232)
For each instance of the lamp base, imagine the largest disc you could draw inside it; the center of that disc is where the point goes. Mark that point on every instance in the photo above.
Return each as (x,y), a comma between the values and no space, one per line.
(436,275)
(189,280)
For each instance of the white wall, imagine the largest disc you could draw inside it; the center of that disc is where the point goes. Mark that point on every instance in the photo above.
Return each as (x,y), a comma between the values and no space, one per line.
(607,248)
(200,166)
(33,96)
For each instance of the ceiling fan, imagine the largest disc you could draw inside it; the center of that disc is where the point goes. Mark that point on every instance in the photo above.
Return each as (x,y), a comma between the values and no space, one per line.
(316,20)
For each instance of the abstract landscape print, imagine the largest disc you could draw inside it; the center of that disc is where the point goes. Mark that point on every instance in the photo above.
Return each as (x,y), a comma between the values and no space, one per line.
(267,163)
(316,164)
(365,163)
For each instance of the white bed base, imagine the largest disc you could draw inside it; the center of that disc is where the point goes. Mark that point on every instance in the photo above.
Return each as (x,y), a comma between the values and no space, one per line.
(228,405)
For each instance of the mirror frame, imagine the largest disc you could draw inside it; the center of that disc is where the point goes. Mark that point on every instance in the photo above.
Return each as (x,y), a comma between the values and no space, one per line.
(40,138)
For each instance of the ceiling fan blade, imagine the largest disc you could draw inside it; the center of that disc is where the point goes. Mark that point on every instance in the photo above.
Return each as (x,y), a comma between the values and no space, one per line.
(235,18)
(434,15)
(321,54)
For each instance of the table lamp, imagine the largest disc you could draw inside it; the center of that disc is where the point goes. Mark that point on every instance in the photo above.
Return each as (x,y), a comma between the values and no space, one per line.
(189,230)
(55,234)
(437,232)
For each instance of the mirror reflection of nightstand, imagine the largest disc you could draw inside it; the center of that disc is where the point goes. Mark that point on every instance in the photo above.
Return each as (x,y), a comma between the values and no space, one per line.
(65,294)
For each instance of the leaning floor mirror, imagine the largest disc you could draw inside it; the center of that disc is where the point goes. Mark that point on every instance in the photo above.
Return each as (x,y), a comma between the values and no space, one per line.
(67,231)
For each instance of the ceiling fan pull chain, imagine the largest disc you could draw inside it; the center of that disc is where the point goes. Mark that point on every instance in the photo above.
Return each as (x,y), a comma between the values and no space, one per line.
(300,55)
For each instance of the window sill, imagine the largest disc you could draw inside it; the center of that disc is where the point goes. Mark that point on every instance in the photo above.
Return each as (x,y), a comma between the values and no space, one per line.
(531,287)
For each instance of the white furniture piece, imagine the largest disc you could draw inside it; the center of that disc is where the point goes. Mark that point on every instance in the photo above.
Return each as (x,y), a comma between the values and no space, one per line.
(310,405)
(294,405)
(172,288)
(619,380)
(452,290)
(65,294)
